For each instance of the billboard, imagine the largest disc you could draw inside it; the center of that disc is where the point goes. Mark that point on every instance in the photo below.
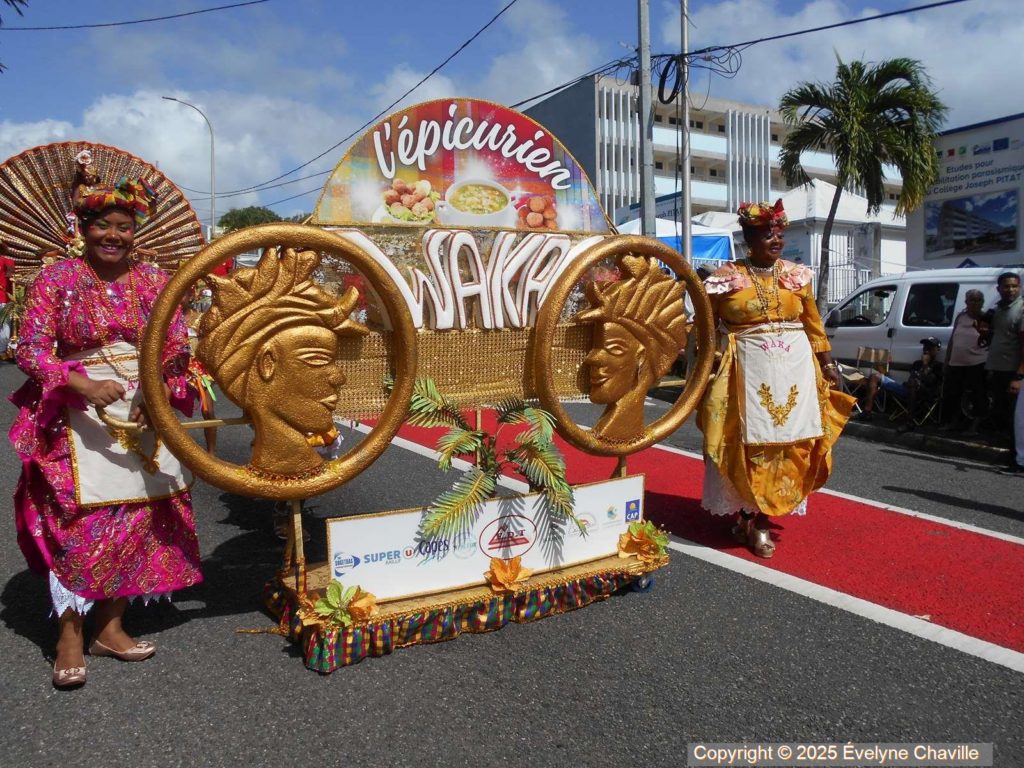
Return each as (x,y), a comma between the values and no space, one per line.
(973,210)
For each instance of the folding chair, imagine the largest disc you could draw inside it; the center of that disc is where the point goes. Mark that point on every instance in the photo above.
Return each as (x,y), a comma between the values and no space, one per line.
(854,379)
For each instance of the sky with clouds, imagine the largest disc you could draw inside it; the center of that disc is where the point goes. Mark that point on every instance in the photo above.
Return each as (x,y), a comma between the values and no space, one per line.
(284,80)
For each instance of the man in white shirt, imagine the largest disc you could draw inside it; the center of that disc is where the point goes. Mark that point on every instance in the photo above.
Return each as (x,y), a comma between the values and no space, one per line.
(965,365)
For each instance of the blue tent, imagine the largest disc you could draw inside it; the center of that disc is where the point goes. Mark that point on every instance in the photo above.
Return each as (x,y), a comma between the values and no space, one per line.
(708,244)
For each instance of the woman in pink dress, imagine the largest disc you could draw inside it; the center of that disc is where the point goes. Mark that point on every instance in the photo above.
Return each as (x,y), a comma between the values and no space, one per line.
(105,515)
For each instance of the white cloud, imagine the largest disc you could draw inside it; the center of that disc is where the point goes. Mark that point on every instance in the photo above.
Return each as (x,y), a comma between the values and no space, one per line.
(970,50)
(543,52)
(17,137)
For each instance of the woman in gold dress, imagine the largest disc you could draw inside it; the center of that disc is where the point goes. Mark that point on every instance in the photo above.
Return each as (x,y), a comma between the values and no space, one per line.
(770,417)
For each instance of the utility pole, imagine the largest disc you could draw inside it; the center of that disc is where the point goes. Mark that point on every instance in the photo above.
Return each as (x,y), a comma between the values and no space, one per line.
(647,217)
(684,94)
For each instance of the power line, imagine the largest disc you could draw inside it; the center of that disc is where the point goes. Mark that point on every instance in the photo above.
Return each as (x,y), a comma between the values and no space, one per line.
(827,26)
(136,21)
(386,109)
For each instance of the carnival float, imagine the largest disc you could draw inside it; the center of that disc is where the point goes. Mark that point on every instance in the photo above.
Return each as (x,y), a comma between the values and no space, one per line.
(457,271)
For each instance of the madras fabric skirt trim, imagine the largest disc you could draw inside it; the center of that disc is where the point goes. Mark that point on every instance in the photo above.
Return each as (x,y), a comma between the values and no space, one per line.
(327,649)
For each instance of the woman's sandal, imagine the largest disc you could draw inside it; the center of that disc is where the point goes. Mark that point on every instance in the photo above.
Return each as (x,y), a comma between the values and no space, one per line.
(141,651)
(72,677)
(741,529)
(761,542)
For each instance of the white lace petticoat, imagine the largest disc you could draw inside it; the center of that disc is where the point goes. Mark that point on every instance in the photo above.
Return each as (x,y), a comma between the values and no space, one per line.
(63,598)
(721,497)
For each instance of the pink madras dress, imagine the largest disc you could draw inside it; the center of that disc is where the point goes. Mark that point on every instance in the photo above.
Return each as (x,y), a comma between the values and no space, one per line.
(92,552)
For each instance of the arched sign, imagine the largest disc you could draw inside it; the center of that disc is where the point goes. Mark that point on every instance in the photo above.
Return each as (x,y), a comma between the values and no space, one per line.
(460,163)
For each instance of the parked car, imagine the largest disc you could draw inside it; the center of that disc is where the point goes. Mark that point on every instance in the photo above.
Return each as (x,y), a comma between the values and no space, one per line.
(896,311)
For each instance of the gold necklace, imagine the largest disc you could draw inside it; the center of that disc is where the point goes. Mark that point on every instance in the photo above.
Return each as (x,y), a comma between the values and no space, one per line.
(135,317)
(763,296)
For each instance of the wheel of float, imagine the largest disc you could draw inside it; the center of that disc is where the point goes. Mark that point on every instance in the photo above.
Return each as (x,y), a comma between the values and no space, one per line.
(241,479)
(550,315)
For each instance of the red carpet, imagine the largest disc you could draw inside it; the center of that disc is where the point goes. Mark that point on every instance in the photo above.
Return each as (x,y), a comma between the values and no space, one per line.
(954,578)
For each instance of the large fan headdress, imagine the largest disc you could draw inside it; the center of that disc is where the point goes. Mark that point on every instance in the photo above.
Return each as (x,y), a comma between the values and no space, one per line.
(36,189)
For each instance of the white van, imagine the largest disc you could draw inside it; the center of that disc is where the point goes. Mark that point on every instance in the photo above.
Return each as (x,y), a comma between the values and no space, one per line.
(896,311)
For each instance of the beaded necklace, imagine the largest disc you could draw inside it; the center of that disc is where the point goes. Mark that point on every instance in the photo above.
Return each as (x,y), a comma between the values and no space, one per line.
(763,295)
(103,330)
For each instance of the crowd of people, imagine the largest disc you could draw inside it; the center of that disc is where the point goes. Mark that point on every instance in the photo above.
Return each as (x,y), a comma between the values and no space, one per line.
(974,386)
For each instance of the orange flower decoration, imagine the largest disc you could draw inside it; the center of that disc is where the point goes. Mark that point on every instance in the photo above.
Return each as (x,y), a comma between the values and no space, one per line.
(362,606)
(643,541)
(505,574)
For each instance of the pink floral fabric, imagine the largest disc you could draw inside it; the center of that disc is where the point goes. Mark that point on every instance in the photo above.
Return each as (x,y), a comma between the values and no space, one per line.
(123,550)
(728,279)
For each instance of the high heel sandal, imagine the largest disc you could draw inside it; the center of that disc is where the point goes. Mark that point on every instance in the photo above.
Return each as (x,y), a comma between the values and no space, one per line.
(741,529)
(761,542)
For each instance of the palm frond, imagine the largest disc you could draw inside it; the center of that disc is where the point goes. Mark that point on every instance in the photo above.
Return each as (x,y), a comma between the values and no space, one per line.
(457,442)
(541,423)
(429,408)
(454,511)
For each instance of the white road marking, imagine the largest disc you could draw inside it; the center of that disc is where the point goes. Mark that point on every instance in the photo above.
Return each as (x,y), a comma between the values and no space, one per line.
(855,605)
(950,638)
(888,507)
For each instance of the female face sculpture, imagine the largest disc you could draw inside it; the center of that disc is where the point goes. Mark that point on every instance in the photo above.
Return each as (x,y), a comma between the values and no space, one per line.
(640,326)
(615,364)
(271,340)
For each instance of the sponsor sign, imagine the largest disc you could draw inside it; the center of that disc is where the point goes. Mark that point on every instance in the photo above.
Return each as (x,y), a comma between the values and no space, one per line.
(383,554)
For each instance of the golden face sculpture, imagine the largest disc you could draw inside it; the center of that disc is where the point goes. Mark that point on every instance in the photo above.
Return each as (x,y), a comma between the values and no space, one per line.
(270,340)
(640,327)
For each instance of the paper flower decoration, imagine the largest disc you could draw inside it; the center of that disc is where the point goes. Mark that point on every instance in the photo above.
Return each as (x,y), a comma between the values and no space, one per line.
(505,574)
(643,541)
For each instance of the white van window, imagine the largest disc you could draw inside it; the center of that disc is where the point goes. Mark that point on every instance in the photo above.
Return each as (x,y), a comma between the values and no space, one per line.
(930,304)
(866,308)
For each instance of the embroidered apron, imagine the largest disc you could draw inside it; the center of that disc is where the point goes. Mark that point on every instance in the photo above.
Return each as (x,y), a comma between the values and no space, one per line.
(777,385)
(123,467)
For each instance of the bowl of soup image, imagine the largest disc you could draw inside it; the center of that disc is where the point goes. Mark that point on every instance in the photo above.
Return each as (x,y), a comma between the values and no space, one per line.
(477,202)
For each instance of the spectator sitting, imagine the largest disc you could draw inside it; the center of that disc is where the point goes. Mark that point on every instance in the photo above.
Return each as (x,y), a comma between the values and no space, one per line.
(923,385)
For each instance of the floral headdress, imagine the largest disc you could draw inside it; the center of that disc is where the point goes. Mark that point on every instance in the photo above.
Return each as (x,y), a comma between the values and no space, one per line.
(762,214)
(90,197)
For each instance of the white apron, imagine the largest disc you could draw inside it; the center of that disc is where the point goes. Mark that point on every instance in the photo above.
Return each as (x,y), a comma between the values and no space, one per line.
(777,385)
(118,468)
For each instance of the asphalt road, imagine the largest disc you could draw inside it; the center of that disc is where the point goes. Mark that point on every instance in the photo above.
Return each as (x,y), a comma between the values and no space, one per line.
(708,655)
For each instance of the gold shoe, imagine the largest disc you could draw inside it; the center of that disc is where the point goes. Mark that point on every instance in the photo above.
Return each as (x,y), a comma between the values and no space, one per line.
(141,651)
(761,542)
(72,677)
(741,530)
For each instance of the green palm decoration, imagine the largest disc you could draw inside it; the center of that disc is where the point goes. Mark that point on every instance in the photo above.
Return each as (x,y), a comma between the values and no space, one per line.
(534,455)
(870,117)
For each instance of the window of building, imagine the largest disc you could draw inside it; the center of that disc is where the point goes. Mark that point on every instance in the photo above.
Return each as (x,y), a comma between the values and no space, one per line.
(775,137)
(721,129)
(712,172)
(698,124)
(672,120)
(692,170)
(658,165)
(657,118)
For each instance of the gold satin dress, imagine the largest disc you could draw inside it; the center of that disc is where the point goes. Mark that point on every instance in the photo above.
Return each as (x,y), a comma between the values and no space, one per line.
(773,479)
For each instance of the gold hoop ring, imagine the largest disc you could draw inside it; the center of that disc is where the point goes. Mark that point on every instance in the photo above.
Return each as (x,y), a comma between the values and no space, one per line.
(238,478)
(544,337)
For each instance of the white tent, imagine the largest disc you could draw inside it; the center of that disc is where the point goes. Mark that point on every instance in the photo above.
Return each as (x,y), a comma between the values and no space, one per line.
(709,244)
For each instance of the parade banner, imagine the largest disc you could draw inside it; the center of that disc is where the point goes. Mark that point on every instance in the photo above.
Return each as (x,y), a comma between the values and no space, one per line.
(461,163)
(383,554)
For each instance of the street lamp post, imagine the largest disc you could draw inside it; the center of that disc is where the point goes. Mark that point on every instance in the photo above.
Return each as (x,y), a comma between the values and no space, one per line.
(213,188)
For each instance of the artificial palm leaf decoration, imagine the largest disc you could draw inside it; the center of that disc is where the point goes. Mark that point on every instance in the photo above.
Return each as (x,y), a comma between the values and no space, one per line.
(534,455)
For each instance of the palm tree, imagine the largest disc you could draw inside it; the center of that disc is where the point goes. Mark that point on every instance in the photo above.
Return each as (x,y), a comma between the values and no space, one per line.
(871,116)
(17,5)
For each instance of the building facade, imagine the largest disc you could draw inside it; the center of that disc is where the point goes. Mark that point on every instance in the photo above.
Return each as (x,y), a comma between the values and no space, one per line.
(734,157)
